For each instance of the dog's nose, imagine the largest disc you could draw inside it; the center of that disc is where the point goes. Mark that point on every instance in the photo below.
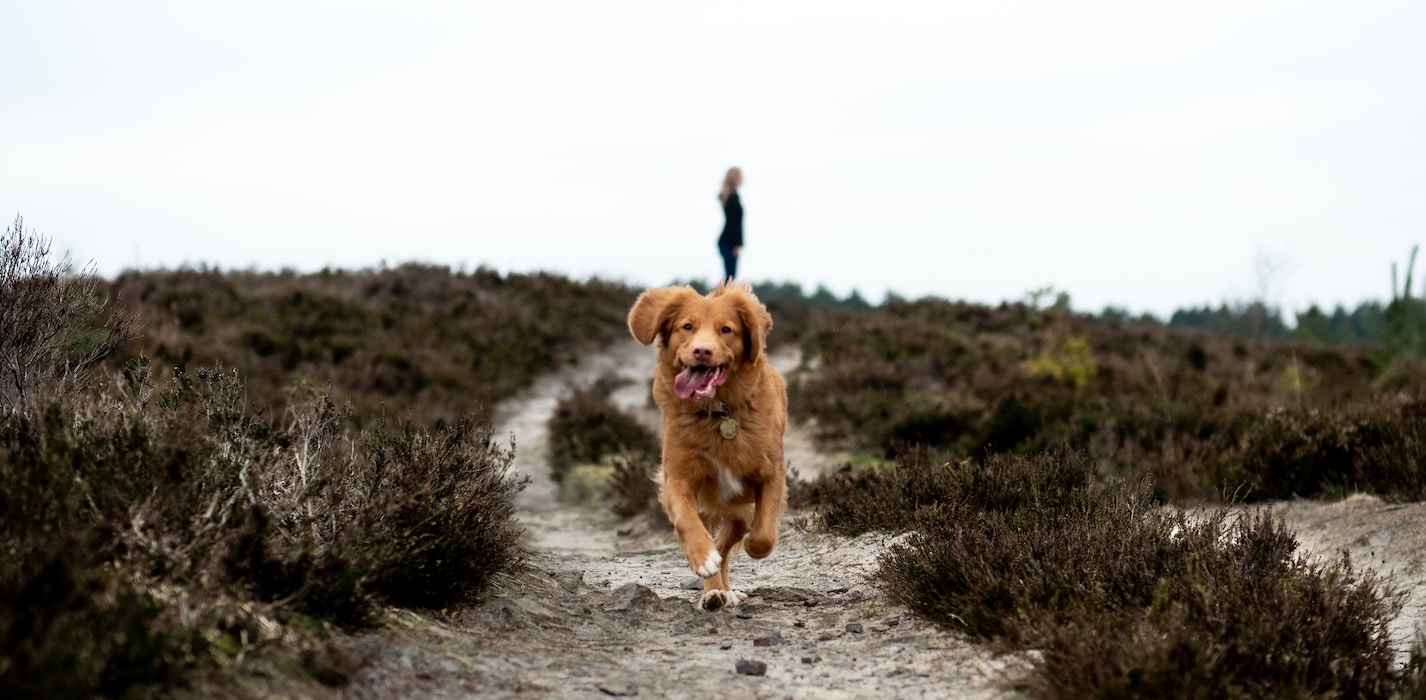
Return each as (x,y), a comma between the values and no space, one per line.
(703,353)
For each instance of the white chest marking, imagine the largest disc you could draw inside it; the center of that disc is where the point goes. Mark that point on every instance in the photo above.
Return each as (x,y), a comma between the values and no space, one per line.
(729,486)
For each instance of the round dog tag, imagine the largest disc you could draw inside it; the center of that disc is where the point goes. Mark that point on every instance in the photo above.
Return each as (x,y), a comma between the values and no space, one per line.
(728,428)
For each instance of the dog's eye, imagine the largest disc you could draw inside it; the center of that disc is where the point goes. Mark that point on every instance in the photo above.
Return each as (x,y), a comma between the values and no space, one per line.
(688,326)
(726,329)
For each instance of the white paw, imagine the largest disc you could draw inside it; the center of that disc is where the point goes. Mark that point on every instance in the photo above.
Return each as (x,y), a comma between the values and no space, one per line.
(717,599)
(710,565)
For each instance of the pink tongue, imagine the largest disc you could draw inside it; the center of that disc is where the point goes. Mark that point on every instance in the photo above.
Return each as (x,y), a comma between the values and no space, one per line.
(696,380)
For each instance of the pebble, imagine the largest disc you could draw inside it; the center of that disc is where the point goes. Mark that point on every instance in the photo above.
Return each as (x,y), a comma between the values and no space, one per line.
(771,640)
(617,689)
(633,598)
(854,627)
(751,668)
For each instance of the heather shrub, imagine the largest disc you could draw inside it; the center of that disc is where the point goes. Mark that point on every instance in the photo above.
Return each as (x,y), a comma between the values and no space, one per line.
(417,340)
(1127,599)
(586,428)
(1200,415)
(155,523)
(182,501)
(55,325)
(434,513)
(1377,447)
(633,487)
(68,626)
(853,500)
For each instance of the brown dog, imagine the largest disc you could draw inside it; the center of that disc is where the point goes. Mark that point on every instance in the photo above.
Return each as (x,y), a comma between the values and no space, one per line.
(724,415)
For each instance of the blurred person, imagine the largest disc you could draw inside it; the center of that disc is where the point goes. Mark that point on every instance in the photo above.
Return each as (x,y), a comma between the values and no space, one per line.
(730,244)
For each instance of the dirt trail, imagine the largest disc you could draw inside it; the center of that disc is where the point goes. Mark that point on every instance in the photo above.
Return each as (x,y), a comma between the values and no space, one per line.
(607,607)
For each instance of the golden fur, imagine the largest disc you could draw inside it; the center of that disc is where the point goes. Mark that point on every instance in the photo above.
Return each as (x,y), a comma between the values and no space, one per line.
(712,485)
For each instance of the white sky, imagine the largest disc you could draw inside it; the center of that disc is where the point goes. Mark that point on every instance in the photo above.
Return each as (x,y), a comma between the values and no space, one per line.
(1148,155)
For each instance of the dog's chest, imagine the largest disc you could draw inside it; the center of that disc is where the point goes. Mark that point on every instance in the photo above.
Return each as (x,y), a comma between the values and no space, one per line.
(729,484)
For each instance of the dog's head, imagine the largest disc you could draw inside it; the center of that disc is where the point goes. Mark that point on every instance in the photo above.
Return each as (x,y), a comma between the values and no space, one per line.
(705,340)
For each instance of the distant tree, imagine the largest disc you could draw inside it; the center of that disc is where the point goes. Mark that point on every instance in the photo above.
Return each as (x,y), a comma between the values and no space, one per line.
(1363,326)
(1252,320)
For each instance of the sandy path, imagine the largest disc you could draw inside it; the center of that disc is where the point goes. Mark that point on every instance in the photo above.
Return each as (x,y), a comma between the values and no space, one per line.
(838,637)
(606,608)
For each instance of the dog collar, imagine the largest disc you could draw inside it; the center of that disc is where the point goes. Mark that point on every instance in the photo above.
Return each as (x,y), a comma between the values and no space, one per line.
(728,427)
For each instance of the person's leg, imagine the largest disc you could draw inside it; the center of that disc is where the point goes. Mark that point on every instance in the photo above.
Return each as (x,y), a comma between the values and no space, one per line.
(730,262)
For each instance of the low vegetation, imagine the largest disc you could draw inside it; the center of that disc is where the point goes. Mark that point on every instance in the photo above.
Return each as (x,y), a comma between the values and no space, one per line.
(618,454)
(1198,414)
(416,341)
(155,524)
(223,465)
(1121,596)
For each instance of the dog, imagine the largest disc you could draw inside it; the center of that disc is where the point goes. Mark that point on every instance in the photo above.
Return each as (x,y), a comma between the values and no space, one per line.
(723,476)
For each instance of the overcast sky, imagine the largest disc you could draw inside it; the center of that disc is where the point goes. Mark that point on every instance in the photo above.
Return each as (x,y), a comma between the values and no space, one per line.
(1146,155)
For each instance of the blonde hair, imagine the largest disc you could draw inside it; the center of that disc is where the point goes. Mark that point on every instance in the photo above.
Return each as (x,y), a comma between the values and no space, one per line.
(730,183)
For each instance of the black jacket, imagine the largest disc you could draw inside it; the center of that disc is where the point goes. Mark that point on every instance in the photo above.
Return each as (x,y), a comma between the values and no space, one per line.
(732,222)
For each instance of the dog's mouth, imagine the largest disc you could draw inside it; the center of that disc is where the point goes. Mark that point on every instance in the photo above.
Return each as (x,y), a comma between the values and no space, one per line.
(699,381)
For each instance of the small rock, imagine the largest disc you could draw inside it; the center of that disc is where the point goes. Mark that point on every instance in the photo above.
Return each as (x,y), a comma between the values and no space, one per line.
(854,627)
(836,591)
(617,689)
(810,602)
(799,624)
(570,580)
(809,660)
(771,640)
(725,647)
(632,597)
(693,584)
(751,668)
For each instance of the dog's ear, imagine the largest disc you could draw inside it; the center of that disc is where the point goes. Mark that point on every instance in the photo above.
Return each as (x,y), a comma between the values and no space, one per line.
(757,323)
(651,313)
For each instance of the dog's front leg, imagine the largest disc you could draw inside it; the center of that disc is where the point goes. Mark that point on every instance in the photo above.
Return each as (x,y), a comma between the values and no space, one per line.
(771,502)
(693,538)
